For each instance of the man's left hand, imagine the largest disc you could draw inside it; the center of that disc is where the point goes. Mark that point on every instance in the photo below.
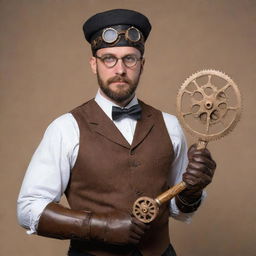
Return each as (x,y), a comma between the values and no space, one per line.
(200,170)
(198,175)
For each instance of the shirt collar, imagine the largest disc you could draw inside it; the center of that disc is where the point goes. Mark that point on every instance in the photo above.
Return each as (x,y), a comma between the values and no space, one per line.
(106,105)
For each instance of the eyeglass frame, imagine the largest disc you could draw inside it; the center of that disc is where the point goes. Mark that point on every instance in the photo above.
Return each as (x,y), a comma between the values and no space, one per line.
(122,58)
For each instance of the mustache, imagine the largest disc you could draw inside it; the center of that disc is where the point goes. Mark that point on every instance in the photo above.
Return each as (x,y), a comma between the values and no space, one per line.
(118,79)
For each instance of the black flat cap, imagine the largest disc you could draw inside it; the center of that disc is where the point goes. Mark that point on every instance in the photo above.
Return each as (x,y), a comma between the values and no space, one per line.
(119,19)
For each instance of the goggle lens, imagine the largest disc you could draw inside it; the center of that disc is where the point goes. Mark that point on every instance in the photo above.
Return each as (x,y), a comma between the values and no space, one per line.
(109,35)
(133,34)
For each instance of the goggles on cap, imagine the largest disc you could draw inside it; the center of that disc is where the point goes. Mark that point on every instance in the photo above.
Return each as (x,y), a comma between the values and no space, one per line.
(111,35)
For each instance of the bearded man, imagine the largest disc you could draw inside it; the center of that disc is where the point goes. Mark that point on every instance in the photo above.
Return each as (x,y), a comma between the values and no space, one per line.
(109,151)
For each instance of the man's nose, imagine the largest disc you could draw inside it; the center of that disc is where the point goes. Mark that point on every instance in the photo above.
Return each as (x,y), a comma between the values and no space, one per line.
(120,68)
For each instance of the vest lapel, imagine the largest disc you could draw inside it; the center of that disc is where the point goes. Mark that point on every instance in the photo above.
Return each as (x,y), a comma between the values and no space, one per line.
(143,126)
(100,123)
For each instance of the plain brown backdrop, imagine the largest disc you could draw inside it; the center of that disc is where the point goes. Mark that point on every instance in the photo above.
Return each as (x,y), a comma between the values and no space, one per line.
(44,73)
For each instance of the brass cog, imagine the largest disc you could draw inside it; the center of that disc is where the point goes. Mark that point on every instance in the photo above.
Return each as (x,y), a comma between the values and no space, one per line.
(210,104)
(145,209)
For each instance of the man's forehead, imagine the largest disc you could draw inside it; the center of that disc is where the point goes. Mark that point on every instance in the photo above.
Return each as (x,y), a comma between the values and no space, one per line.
(119,51)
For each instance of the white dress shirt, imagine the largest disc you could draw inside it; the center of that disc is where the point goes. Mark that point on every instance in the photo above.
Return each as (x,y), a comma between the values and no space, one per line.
(48,173)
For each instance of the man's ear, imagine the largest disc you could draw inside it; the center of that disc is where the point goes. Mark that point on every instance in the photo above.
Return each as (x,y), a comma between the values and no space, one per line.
(93,64)
(142,64)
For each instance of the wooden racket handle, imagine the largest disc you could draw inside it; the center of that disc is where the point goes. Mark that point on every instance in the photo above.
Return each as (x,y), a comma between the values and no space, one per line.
(170,193)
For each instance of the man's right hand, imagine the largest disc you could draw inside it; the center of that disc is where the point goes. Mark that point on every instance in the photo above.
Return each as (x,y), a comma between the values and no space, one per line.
(116,228)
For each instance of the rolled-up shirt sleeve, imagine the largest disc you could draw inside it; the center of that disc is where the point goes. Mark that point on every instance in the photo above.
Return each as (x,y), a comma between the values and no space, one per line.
(179,164)
(48,173)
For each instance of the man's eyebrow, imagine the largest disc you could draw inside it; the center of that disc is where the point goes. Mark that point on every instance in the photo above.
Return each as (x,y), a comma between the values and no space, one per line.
(108,53)
(128,54)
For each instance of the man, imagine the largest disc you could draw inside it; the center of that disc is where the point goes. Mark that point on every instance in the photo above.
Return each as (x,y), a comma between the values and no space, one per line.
(108,152)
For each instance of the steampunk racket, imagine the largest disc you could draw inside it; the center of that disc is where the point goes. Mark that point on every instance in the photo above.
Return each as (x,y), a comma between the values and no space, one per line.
(209,107)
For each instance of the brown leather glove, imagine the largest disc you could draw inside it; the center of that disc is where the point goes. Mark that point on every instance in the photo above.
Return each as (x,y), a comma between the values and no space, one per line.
(198,175)
(115,228)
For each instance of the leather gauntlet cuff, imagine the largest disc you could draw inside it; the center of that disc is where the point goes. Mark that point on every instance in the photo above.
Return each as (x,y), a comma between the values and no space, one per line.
(60,222)
(188,205)
(98,228)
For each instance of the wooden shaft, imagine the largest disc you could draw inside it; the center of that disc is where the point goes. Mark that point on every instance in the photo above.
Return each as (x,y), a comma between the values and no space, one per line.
(170,193)
(201,144)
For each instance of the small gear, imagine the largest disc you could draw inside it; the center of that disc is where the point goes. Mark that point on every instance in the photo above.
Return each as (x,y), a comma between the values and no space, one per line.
(145,209)
(209,104)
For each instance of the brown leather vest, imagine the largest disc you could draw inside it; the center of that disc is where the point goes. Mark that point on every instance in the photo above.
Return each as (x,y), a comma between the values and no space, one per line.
(110,174)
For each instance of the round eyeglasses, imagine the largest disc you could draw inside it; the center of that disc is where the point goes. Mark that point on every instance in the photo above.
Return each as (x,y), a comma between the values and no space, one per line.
(110,60)
(110,35)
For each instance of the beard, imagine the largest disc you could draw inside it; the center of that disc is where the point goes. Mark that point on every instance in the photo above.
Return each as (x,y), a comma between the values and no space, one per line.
(124,92)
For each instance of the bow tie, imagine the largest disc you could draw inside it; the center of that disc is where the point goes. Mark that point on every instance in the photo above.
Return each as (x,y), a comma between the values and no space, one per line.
(133,112)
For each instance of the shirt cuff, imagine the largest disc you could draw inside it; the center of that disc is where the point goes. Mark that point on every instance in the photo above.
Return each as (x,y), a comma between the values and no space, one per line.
(35,214)
(181,216)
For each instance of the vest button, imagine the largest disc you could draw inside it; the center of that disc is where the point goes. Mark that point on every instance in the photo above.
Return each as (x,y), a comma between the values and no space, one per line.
(139,193)
(135,163)
(132,152)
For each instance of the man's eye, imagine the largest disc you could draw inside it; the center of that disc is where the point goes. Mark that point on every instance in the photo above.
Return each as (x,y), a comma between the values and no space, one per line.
(130,58)
(109,59)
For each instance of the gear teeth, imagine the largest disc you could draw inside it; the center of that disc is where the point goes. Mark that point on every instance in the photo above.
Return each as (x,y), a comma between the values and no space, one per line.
(233,123)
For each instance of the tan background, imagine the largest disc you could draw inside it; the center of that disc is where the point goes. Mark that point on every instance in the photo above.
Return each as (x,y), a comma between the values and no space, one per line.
(45,72)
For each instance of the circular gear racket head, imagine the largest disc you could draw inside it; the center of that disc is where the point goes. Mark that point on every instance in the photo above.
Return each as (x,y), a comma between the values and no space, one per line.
(209,105)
